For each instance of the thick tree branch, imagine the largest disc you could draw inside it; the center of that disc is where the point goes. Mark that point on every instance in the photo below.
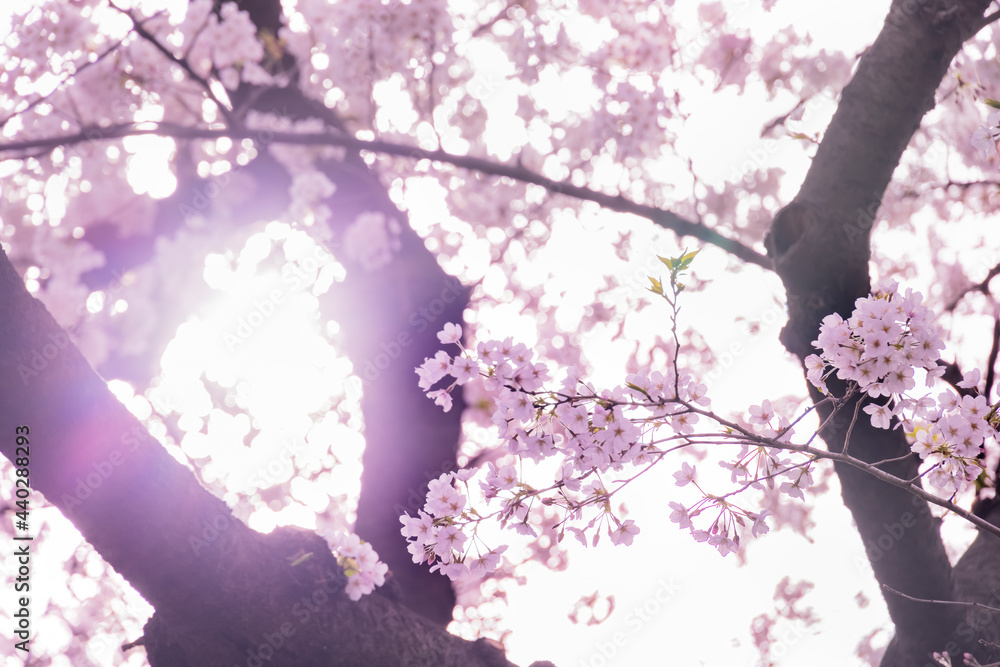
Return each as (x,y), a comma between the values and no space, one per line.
(820,244)
(661,217)
(219,588)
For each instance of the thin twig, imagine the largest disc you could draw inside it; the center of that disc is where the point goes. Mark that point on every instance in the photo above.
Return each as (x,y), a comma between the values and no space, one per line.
(140,30)
(975,605)
(76,70)
(851,461)
(854,420)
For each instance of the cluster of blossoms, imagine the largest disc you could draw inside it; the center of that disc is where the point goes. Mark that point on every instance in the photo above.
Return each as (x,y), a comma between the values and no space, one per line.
(360,562)
(985,138)
(588,434)
(756,466)
(888,336)
(591,435)
(950,433)
(228,44)
(724,531)
(437,535)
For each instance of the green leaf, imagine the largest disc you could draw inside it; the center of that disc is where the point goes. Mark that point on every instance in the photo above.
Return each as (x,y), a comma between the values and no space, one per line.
(685,260)
(678,264)
(657,287)
(992,103)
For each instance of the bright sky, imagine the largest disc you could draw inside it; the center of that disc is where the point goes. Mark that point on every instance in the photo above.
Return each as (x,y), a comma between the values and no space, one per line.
(672,595)
(676,601)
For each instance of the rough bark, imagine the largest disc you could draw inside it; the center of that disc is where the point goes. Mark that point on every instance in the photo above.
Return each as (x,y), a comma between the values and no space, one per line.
(820,244)
(389,319)
(222,592)
(408,440)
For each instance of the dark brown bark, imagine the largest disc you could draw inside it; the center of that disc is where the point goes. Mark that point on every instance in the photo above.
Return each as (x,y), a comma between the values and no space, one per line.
(661,217)
(820,244)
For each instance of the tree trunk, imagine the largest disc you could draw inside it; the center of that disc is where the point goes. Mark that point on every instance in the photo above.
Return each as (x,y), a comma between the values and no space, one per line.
(820,244)
(224,594)
(389,318)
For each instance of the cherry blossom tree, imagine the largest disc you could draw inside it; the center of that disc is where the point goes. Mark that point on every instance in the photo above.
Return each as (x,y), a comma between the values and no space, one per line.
(388,171)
